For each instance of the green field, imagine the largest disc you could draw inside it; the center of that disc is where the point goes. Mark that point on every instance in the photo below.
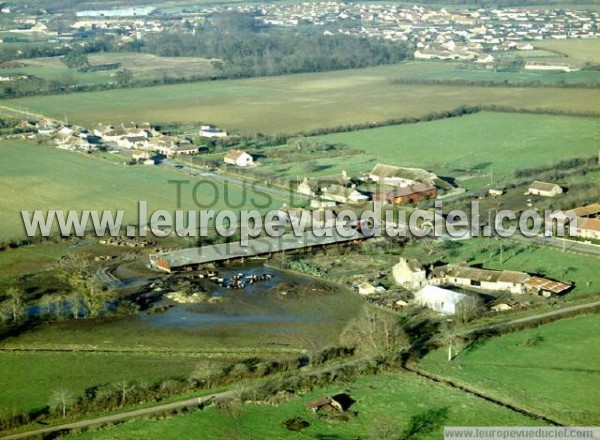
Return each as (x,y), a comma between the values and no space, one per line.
(579,52)
(28,379)
(557,376)
(296,102)
(142,66)
(383,401)
(38,177)
(472,146)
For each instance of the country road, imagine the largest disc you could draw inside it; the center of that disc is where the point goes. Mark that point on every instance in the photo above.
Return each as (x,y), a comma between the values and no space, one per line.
(159,409)
(288,196)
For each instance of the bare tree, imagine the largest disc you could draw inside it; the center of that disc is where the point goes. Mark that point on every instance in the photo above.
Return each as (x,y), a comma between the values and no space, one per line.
(124,389)
(450,336)
(60,400)
(376,333)
(14,305)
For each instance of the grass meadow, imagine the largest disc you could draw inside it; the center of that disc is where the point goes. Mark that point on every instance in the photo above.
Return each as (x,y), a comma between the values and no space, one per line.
(29,379)
(38,177)
(473,146)
(142,66)
(552,369)
(291,103)
(577,51)
(384,404)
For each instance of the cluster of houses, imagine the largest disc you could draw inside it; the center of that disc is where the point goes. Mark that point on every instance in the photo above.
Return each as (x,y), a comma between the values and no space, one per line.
(458,33)
(433,286)
(142,139)
(395,185)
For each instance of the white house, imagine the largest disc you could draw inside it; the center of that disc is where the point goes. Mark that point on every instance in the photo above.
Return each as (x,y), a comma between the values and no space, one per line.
(409,274)
(544,189)
(239,158)
(209,131)
(440,300)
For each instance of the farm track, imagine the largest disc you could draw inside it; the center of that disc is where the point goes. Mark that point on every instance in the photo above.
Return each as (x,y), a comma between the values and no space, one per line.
(194,402)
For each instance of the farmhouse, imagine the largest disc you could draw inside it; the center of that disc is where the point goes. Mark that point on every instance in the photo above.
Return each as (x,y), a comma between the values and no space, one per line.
(588,228)
(411,194)
(343,194)
(401,177)
(544,189)
(440,300)
(494,280)
(239,158)
(409,274)
(311,186)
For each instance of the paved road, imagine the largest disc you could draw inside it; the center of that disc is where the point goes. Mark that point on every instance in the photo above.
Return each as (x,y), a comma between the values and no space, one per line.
(288,196)
(567,245)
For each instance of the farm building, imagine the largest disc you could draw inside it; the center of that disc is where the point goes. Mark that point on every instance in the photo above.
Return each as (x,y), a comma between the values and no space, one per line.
(409,274)
(440,300)
(208,131)
(239,158)
(366,288)
(544,189)
(588,228)
(190,258)
(588,211)
(398,176)
(411,194)
(494,280)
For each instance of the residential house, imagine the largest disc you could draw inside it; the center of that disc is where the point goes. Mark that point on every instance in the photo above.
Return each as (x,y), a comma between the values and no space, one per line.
(131,142)
(239,158)
(409,274)
(440,300)
(411,194)
(544,189)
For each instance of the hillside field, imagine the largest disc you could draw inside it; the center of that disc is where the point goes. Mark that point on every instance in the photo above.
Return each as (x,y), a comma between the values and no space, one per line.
(291,103)
(577,51)
(472,146)
(384,404)
(39,177)
(552,369)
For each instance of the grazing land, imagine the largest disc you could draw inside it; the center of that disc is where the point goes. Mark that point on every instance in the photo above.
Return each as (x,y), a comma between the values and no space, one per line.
(104,66)
(293,103)
(579,52)
(384,404)
(38,177)
(552,369)
(29,379)
(472,146)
